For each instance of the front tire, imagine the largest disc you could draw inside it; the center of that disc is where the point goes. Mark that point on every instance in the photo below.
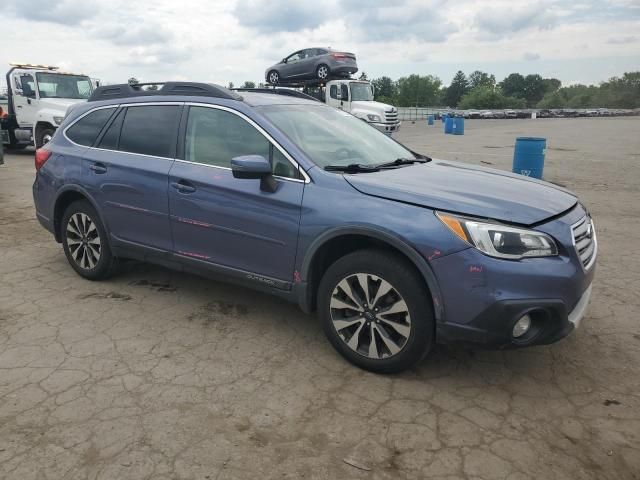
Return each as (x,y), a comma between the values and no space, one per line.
(273,78)
(85,243)
(44,136)
(376,311)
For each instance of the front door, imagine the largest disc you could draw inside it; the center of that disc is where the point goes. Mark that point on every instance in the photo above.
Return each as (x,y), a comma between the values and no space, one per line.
(25,99)
(226,221)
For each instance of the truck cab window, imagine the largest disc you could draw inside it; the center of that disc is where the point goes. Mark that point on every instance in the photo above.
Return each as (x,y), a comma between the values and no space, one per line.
(28,86)
(333,92)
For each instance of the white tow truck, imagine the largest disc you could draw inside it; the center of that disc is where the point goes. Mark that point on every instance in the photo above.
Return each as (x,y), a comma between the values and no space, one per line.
(356,97)
(353,96)
(38,97)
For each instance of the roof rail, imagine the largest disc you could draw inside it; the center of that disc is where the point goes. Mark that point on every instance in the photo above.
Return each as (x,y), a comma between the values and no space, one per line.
(126,90)
(278,91)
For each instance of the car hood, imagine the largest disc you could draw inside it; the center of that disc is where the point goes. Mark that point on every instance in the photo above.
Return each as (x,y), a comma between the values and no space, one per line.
(469,190)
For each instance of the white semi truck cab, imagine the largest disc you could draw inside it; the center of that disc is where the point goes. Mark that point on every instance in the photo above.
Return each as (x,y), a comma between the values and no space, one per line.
(38,97)
(356,97)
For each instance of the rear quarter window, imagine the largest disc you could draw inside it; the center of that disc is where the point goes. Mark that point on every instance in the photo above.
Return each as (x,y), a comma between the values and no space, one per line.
(86,130)
(150,130)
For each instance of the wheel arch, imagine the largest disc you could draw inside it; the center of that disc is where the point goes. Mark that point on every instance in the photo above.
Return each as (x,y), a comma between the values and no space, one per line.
(66,197)
(333,244)
(40,126)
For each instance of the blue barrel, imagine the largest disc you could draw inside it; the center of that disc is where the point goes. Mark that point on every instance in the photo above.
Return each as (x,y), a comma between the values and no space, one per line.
(458,125)
(528,156)
(430,120)
(448,125)
(443,117)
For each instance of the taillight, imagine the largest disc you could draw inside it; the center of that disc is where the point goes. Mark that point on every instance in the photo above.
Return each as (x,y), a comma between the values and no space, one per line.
(42,155)
(340,55)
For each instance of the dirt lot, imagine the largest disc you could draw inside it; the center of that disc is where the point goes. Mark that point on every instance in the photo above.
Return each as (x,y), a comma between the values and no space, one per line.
(155,374)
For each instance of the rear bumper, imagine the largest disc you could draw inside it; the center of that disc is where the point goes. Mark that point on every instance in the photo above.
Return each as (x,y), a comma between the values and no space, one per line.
(344,70)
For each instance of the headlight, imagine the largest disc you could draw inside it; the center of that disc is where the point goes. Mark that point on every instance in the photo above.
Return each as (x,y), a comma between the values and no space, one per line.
(498,240)
(373,118)
(58,120)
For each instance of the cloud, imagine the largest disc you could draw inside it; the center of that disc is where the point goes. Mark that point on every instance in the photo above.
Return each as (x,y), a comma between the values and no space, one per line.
(530,56)
(365,20)
(622,40)
(63,12)
(502,22)
(280,15)
(139,34)
(421,21)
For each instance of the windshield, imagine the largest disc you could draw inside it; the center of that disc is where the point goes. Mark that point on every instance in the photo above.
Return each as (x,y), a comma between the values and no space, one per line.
(361,92)
(57,85)
(332,137)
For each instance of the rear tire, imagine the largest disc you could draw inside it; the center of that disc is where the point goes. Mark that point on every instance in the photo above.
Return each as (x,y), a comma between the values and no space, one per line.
(323,72)
(85,242)
(355,321)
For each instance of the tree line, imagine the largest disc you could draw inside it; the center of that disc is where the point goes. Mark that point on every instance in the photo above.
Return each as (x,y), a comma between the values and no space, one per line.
(479,90)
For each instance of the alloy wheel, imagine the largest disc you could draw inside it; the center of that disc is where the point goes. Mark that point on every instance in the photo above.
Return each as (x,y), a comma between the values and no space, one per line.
(370,315)
(83,241)
(323,72)
(274,77)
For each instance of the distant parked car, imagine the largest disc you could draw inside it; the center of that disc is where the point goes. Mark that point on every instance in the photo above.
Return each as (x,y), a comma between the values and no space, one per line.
(510,114)
(310,63)
(473,114)
(486,114)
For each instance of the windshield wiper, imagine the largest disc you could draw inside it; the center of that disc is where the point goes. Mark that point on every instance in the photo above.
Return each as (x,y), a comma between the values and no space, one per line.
(401,161)
(352,168)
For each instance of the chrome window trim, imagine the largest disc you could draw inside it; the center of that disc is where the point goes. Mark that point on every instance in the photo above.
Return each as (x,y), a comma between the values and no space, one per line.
(64,132)
(592,261)
(306,178)
(264,133)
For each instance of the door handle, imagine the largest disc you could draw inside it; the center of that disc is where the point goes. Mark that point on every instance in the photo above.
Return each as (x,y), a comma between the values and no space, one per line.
(183,186)
(98,168)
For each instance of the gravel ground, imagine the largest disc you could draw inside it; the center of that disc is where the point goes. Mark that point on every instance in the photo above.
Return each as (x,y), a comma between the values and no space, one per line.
(156,374)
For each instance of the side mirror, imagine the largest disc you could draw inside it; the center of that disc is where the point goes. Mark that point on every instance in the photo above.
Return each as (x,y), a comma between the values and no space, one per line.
(254,167)
(284,60)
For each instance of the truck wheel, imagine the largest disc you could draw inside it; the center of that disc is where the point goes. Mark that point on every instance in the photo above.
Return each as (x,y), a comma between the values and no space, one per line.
(376,311)
(44,137)
(273,77)
(322,72)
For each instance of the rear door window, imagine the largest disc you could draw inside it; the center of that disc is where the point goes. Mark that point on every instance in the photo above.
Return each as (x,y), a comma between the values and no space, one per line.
(111,137)
(86,130)
(150,130)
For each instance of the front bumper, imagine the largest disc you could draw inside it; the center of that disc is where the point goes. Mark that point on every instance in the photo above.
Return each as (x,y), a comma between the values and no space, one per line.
(387,127)
(483,297)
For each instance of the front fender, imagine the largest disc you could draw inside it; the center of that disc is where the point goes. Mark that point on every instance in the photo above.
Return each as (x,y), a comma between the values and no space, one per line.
(387,237)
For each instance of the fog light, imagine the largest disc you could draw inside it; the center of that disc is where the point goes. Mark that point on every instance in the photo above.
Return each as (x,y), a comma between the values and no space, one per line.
(522,326)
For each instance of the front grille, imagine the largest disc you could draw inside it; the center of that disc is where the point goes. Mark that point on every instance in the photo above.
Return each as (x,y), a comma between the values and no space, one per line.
(391,117)
(584,240)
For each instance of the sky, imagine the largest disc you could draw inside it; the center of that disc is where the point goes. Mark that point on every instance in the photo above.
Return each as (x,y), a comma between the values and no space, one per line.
(579,41)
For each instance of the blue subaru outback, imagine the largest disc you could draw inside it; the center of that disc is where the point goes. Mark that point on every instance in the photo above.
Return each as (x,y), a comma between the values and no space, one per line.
(279,192)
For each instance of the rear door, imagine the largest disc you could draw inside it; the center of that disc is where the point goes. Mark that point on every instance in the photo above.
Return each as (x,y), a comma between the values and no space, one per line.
(294,65)
(127,173)
(226,221)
